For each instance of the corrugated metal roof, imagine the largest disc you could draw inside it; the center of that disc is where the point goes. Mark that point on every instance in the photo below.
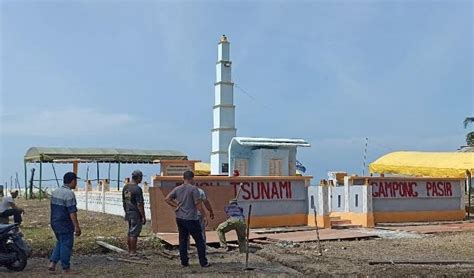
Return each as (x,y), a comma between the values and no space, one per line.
(271,142)
(37,154)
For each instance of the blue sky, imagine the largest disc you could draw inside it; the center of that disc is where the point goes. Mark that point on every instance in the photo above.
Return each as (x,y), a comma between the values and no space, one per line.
(140,74)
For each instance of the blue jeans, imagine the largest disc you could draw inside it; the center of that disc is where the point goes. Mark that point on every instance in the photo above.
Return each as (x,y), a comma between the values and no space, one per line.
(193,228)
(63,250)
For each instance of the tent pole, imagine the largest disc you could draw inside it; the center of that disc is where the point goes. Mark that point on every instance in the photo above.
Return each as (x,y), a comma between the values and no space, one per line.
(26,180)
(469,177)
(41,177)
(118,176)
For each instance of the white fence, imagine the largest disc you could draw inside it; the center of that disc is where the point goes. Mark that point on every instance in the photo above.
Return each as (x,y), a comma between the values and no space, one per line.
(106,202)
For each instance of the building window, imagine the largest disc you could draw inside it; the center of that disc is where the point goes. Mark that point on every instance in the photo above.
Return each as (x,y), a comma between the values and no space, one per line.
(225,168)
(312,201)
(357,200)
(243,166)
(338,201)
(275,167)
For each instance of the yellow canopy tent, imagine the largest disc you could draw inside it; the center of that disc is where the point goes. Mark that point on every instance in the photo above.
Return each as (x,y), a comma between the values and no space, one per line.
(202,169)
(427,164)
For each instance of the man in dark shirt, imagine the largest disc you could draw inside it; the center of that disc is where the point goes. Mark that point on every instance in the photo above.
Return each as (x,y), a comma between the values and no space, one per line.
(64,222)
(133,205)
(186,201)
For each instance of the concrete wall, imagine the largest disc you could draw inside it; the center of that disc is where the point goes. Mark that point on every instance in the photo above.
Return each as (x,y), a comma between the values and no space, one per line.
(318,200)
(355,199)
(276,201)
(106,202)
(417,199)
(337,199)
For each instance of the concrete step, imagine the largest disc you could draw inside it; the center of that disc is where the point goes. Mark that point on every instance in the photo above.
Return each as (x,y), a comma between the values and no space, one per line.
(334,218)
(340,221)
(345,226)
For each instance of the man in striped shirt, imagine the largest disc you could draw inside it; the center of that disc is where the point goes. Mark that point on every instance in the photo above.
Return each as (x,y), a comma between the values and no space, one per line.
(64,222)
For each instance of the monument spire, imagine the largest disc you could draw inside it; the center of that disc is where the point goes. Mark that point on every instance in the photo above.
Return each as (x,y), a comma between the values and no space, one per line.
(224,110)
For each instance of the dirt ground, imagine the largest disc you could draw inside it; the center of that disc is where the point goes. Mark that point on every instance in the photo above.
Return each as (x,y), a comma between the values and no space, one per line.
(340,258)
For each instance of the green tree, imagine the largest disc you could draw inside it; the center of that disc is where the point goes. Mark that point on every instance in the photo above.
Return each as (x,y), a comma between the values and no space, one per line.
(470,135)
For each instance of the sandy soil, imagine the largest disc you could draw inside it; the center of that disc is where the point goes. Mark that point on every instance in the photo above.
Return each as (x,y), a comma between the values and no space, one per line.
(346,258)
(339,258)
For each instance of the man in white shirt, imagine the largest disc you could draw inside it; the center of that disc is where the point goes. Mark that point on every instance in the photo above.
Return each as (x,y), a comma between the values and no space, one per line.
(8,207)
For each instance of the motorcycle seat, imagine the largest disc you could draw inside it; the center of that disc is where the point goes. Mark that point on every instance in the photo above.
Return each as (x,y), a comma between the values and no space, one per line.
(6,227)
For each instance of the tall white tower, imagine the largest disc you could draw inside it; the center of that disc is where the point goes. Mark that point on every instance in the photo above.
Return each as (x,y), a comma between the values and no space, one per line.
(224,110)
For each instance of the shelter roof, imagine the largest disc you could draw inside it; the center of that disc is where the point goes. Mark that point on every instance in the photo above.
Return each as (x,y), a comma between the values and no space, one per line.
(271,142)
(466,150)
(112,155)
(428,164)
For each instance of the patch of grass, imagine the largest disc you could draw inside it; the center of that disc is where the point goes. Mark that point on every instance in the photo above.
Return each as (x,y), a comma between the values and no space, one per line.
(95,226)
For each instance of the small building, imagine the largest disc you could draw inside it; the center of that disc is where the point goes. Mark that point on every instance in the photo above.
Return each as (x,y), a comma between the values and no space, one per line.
(264,156)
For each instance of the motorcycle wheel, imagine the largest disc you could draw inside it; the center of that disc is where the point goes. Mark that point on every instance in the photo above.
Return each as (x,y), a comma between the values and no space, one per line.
(21,261)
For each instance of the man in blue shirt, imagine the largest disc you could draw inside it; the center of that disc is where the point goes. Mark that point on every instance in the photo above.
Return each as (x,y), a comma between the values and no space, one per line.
(235,221)
(64,222)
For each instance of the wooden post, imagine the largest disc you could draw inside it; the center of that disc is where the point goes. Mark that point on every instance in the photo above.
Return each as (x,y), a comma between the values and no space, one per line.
(75,166)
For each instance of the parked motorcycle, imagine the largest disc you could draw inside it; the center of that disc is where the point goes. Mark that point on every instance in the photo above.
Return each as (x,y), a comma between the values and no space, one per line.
(14,250)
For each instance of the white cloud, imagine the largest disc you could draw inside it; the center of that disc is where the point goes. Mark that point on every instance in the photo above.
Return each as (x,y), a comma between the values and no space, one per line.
(65,123)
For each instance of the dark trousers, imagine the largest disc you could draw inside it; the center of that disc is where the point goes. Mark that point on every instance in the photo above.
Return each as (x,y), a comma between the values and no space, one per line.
(63,249)
(186,228)
(16,215)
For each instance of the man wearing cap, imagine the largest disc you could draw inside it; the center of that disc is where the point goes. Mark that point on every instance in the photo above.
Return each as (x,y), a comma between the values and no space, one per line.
(9,208)
(133,205)
(186,202)
(64,222)
(236,221)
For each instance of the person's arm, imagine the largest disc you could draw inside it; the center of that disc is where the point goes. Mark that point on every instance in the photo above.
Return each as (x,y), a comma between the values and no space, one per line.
(72,209)
(198,203)
(141,205)
(208,206)
(77,229)
(170,199)
(201,209)
(123,200)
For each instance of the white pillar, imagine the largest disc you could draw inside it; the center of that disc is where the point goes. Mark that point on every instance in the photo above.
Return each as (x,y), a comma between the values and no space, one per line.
(86,193)
(224,110)
(102,195)
(347,193)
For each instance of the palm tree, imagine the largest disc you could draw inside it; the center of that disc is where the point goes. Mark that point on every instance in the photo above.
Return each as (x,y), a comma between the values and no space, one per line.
(470,135)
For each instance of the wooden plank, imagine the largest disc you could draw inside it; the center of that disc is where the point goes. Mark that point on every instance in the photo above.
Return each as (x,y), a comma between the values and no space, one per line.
(127,261)
(211,237)
(166,254)
(324,234)
(110,247)
(435,262)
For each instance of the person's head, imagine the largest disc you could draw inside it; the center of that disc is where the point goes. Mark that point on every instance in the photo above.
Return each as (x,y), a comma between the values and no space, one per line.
(137,176)
(70,179)
(14,193)
(188,177)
